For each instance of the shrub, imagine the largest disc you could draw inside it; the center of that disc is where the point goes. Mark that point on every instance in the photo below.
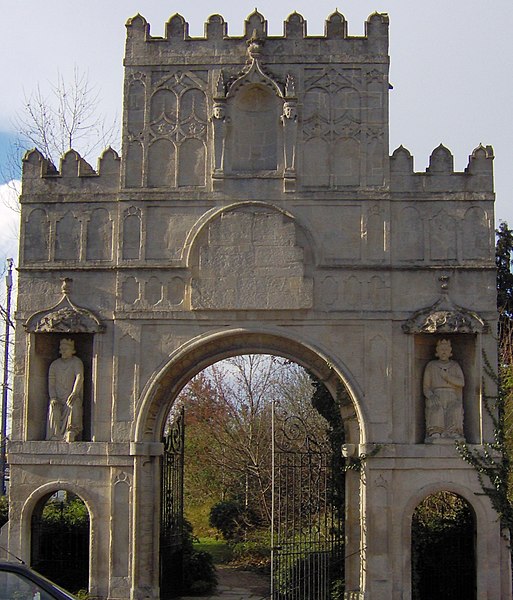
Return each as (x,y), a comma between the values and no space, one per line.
(198,567)
(232,519)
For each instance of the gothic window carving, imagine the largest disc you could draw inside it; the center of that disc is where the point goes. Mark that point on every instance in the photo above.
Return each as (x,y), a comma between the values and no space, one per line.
(132,234)
(192,163)
(67,238)
(161,163)
(175,291)
(36,236)
(136,108)
(316,157)
(130,290)
(443,237)
(193,110)
(153,291)
(476,234)
(178,126)
(133,164)
(410,235)
(163,110)
(99,236)
(346,162)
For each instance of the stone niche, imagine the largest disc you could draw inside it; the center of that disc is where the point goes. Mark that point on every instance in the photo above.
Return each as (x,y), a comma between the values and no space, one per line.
(462,328)
(463,352)
(46,328)
(43,350)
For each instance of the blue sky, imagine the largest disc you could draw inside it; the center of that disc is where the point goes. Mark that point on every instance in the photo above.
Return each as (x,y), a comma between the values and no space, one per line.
(451,62)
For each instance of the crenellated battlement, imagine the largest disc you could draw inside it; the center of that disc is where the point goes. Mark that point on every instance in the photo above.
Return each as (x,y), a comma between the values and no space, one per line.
(140,42)
(73,172)
(76,173)
(440,175)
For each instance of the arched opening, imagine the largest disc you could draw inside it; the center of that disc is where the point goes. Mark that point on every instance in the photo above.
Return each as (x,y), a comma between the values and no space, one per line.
(253,465)
(443,548)
(60,534)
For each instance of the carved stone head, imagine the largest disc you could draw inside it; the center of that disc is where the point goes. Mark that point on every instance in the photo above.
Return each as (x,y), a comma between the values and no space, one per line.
(67,348)
(289,110)
(443,349)
(218,111)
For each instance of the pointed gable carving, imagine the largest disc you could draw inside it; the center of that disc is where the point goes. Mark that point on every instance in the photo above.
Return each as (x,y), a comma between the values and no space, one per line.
(64,317)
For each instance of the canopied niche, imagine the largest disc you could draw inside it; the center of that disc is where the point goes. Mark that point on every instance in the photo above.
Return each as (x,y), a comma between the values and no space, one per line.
(47,329)
(254,120)
(445,324)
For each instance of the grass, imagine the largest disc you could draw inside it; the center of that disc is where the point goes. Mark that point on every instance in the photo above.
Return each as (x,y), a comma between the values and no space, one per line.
(218,549)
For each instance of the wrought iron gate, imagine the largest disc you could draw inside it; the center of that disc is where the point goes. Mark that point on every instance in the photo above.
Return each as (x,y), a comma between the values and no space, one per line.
(307,534)
(171,510)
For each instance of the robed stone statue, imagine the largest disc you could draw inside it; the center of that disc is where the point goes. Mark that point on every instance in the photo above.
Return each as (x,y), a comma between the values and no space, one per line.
(65,387)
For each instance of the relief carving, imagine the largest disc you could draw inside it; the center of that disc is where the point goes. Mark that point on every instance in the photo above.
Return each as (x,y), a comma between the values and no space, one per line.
(250,259)
(218,120)
(289,120)
(332,127)
(64,317)
(444,316)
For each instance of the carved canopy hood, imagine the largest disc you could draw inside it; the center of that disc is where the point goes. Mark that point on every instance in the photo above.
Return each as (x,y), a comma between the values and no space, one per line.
(444,316)
(64,317)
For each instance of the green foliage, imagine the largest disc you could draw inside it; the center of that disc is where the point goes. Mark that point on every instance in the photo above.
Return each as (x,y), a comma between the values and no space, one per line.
(220,551)
(4,510)
(254,553)
(329,408)
(199,572)
(72,512)
(503,249)
(492,461)
(232,519)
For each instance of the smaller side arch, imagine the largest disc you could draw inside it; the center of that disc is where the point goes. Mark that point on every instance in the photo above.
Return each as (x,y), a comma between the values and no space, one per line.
(27,510)
(485,518)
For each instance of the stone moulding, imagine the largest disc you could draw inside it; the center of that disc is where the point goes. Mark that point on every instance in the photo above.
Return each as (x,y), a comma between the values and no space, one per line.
(64,317)
(445,317)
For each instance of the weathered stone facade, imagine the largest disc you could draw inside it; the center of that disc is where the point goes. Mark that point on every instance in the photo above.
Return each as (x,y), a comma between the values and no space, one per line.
(254,208)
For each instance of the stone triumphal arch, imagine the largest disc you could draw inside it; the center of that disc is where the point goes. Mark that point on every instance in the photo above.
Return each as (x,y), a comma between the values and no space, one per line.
(254,209)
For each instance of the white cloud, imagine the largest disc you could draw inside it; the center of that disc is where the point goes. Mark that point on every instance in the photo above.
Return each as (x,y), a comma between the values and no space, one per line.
(9,221)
